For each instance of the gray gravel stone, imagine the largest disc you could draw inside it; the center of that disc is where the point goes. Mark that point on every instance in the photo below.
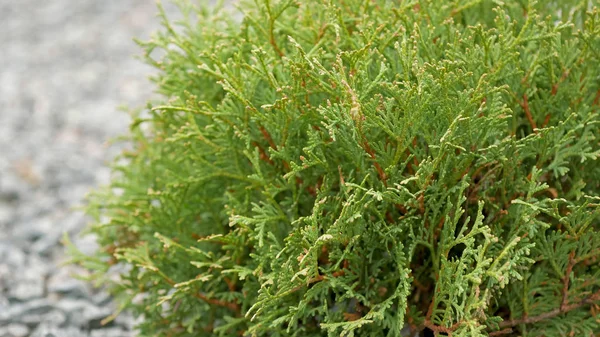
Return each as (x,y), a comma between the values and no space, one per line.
(92,317)
(29,282)
(10,190)
(102,298)
(51,330)
(11,255)
(33,230)
(47,244)
(14,330)
(63,283)
(70,305)
(109,332)
(18,310)
(27,288)
(6,214)
(82,313)
(55,317)
(66,67)
(86,244)
(3,302)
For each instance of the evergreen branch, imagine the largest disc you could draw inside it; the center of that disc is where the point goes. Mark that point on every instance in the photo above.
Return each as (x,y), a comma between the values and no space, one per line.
(268,137)
(427,100)
(428,323)
(263,154)
(589,300)
(232,306)
(378,168)
(272,19)
(565,289)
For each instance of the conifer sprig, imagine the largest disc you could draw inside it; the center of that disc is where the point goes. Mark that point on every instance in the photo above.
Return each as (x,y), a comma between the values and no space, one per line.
(363,168)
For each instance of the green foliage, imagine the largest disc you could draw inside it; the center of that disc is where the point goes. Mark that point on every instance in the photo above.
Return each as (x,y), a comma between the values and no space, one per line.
(363,168)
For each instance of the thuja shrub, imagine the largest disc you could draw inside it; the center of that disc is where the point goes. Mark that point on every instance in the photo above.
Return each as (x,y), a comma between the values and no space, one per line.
(362,168)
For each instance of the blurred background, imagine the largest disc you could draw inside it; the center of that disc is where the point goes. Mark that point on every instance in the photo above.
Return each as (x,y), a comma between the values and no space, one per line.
(65,68)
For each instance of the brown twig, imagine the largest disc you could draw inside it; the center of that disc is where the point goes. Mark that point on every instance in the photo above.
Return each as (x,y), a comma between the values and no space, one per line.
(272,32)
(341,272)
(525,106)
(555,85)
(389,218)
(401,208)
(262,154)
(441,329)
(429,311)
(546,120)
(414,329)
(551,314)
(230,305)
(322,31)
(501,332)
(268,137)
(311,281)
(428,323)
(342,181)
(274,44)
(439,228)
(351,316)
(415,163)
(420,285)
(230,284)
(371,154)
(421,201)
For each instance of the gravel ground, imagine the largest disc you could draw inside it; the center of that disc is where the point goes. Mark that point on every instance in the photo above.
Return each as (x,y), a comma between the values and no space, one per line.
(65,67)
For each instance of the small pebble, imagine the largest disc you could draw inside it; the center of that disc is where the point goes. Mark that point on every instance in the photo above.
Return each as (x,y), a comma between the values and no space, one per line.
(63,283)
(109,332)
(14,330)
(51,330)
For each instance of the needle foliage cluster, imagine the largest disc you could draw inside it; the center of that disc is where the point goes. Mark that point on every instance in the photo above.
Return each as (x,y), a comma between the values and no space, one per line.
(362,168)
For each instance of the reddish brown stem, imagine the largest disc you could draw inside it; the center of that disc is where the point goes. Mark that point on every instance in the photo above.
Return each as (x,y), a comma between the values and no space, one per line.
(441,329)
(272,144)
(268,137)
(349,317)
(342,181)
(420,285)
(263,154)
(380,171)
(429,311)
(311,281)
(546,121)
(274,44)
(389,217)
(525,106)
(551,314)
(501,332)
(230,284)
(233,306)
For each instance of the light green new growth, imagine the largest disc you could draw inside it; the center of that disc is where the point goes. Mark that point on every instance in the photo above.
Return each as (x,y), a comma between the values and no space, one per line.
(363,168)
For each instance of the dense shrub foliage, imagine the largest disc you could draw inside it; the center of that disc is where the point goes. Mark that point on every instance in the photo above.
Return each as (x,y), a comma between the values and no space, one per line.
(363,168)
